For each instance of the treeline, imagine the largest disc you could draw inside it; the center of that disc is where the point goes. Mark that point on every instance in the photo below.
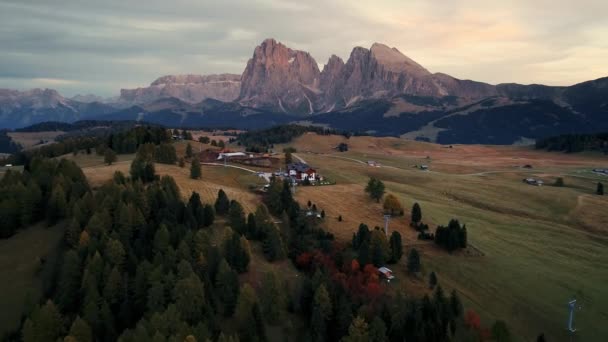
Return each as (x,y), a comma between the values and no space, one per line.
(373,247)
(129,141)
(450,237)
(7,145)
(575,143)
(122,142)
(263,140)
(80,125)
(46,190)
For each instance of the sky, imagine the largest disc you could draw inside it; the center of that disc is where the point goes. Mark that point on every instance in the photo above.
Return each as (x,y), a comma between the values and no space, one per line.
(99,47)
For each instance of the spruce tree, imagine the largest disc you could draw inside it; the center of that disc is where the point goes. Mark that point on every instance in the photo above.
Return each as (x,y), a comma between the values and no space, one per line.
(189,152)
(227,285)
(195,168)
(416,213)
(81,330)
(396,246)
(236,217)
(109,156)
(432,280)
(222,203)
(375,189)
(413,261)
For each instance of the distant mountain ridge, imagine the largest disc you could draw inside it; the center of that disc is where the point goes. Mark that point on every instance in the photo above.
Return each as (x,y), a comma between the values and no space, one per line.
(378,89)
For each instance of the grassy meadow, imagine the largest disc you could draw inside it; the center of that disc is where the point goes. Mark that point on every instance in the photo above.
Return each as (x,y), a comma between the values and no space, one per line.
(532,249)
(21,271)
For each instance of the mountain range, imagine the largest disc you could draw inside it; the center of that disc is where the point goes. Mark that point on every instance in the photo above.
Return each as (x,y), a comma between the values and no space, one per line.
(377,90)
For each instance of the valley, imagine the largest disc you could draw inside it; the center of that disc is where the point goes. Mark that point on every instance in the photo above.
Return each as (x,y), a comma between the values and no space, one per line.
(531,250)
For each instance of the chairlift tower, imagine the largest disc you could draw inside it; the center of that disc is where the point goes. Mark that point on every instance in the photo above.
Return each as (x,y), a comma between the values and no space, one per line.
(386,219)
(571,308)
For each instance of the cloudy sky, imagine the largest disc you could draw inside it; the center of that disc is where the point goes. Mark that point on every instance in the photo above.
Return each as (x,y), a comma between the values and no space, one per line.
(83,46)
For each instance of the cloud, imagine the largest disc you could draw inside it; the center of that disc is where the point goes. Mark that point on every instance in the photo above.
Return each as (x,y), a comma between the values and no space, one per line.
(106,45)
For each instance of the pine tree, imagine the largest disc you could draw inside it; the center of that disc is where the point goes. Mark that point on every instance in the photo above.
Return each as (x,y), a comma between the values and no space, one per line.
(69,281)
(227,285)
(322,310)
(375,189)
(236,217)
(222,203)
(273,298)
(396,246)
(432,280)
(81,330)
(195,168)
(600,189)
(189,294)
(189,152)
(244,310)
(358,331)
(113,289)
(377,330)
(209,215)
(57,206)
(109,156)
(413,261)
(416,213)
(455,304)
(72,234)
(500,332)
(273,245)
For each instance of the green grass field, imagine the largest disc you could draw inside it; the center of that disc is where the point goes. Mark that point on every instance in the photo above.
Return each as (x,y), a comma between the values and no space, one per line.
(541,246)
(21,271)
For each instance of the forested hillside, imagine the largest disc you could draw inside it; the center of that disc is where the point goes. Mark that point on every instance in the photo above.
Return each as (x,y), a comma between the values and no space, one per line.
(140,264)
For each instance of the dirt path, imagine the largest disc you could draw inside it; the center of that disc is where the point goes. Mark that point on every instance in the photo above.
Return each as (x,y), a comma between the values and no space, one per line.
(299,158)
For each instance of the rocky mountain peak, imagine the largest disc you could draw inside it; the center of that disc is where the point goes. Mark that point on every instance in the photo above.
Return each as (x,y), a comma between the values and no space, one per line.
(280,78)
(393,60)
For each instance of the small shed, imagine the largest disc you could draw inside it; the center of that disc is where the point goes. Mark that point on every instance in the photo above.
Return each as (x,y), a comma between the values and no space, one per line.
(386,273)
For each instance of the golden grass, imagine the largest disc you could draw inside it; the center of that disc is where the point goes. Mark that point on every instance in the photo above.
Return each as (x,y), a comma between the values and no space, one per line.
(30,139)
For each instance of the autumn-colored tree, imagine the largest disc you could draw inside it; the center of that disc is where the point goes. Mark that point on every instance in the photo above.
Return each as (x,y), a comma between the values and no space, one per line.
(392,205)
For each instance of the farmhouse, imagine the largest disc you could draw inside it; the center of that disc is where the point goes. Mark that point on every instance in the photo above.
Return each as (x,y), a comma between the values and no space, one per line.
(532,181)
(301,171)
(386,273)
(603,172)
(229,155)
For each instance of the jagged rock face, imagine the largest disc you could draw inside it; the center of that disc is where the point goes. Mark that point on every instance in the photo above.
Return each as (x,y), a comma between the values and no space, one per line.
(22,108)
(188,88)
(280,78)
(383,72)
